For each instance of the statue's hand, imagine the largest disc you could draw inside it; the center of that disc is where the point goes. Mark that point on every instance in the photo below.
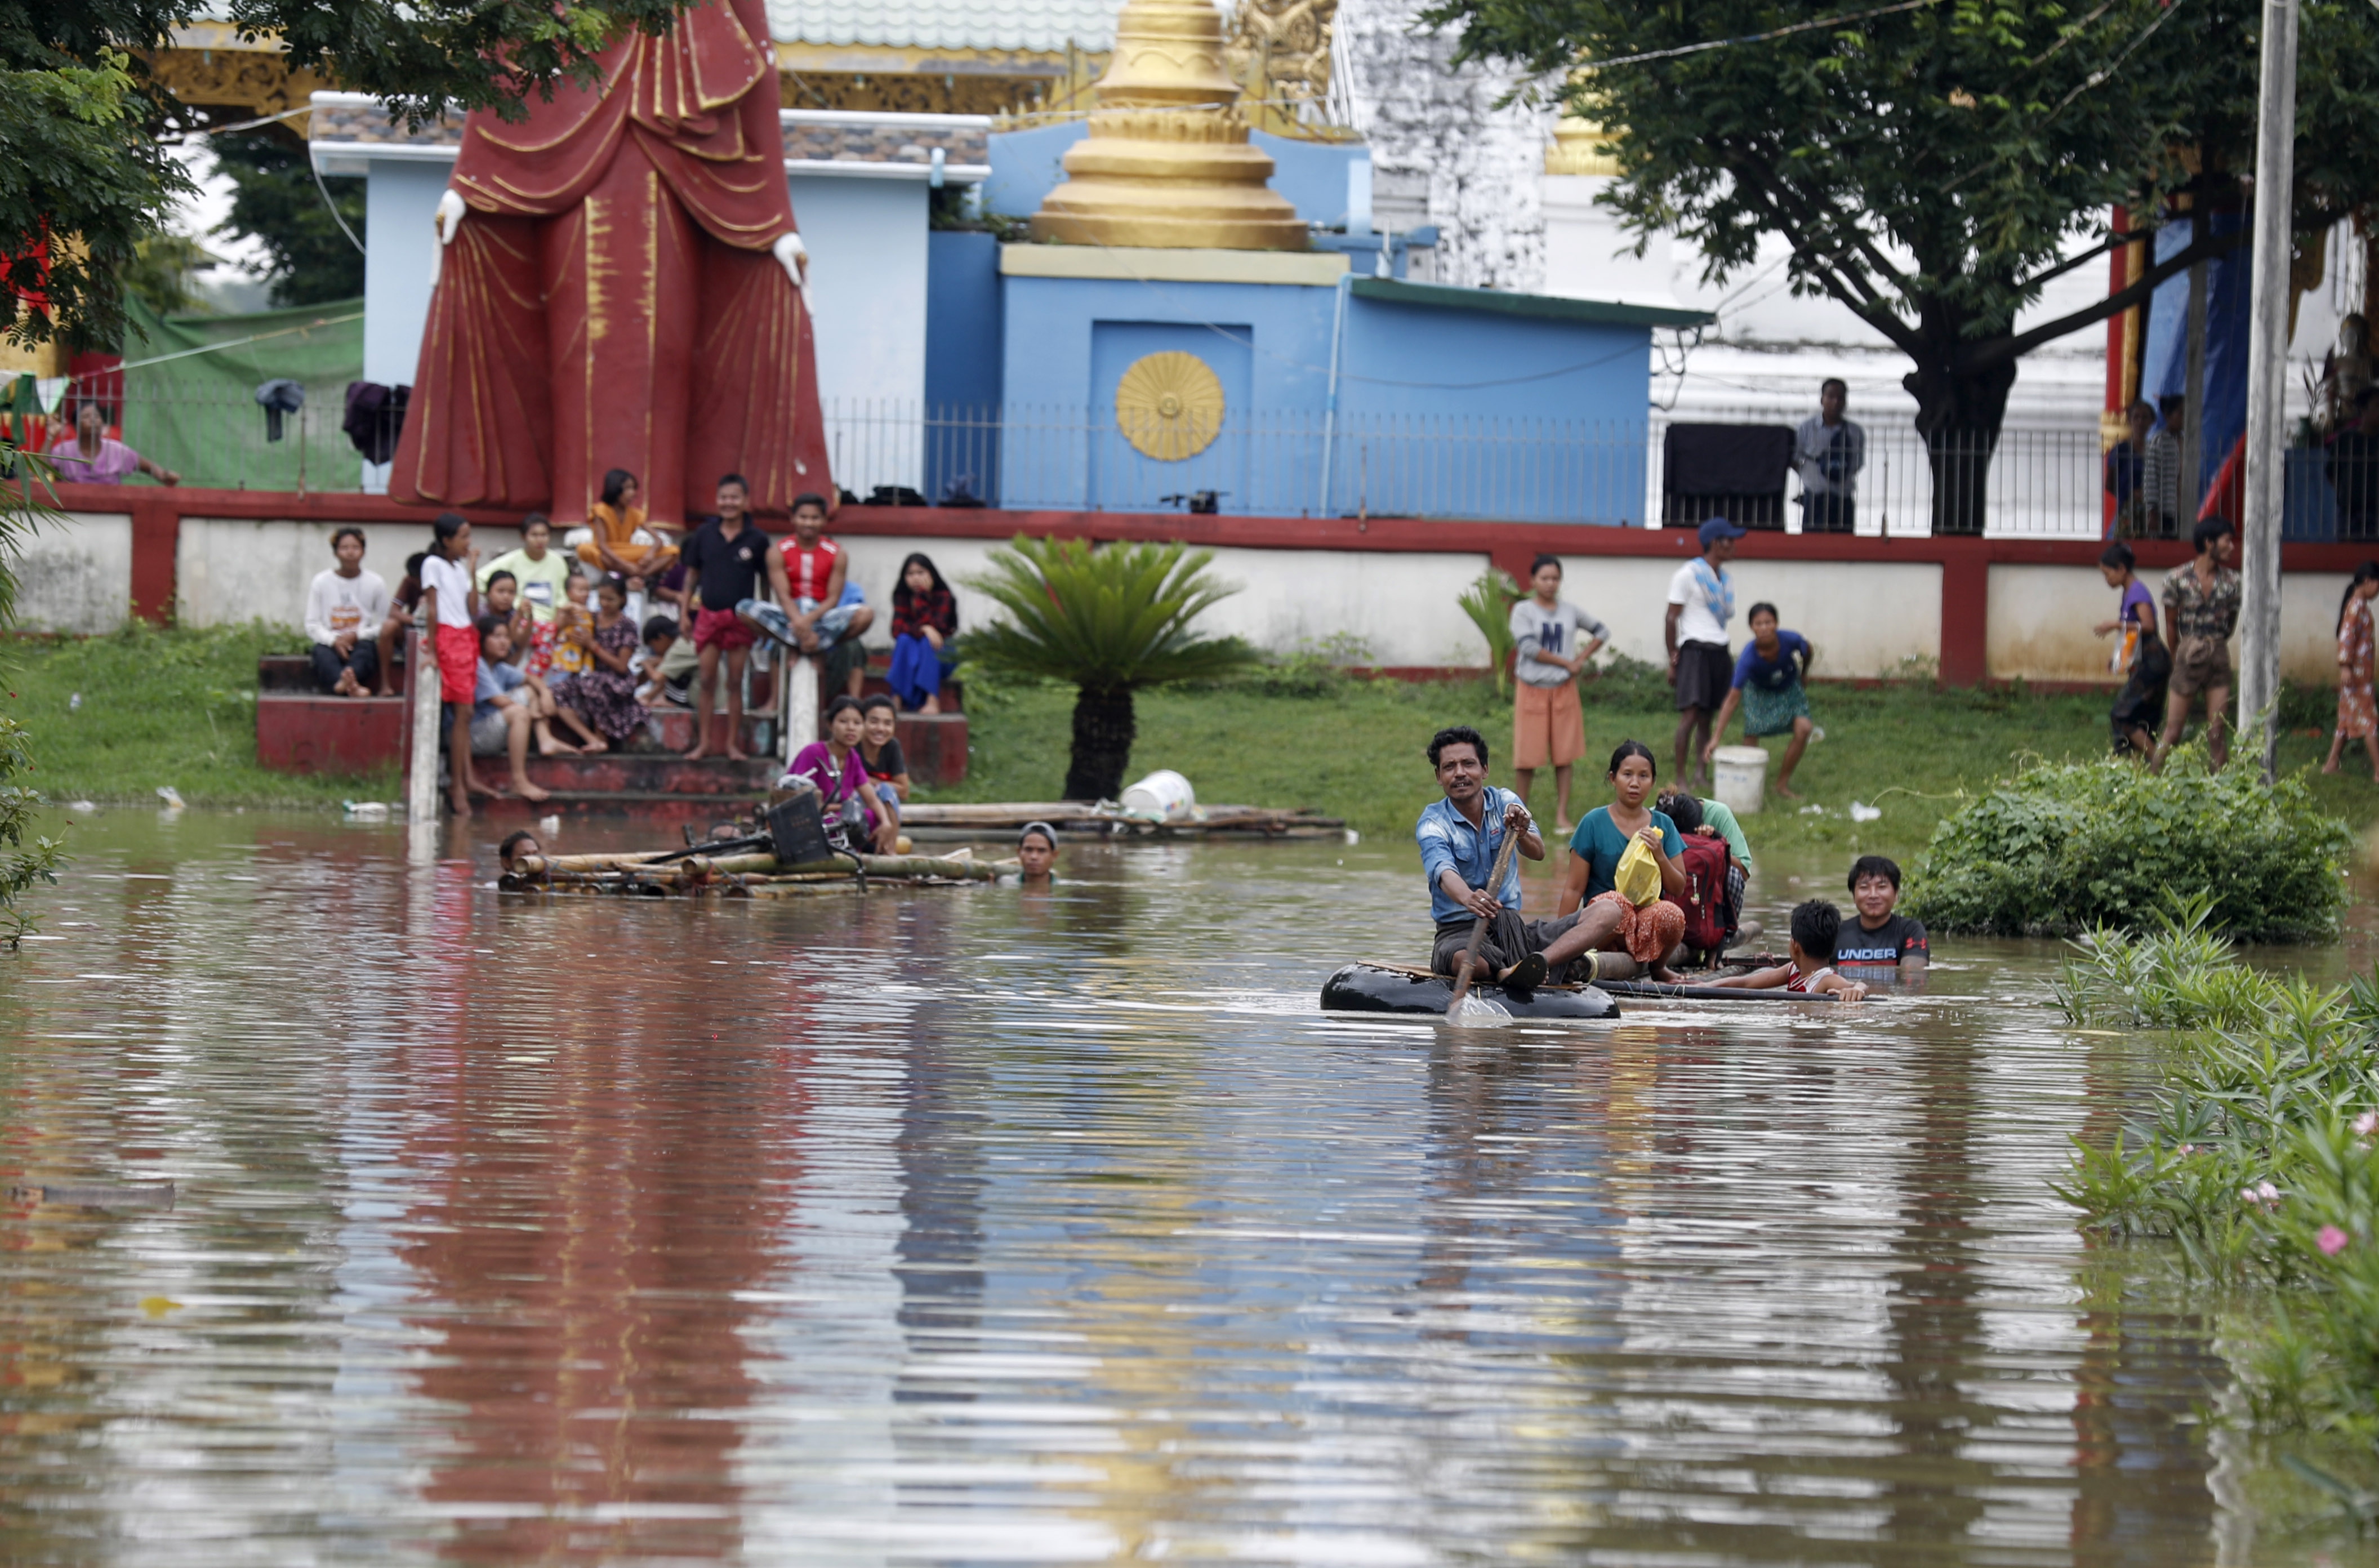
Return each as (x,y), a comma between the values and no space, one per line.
(794,257)
(448,223)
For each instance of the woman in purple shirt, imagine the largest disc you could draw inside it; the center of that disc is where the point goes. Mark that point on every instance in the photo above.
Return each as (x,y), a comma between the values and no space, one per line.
(89,457)
(835,765)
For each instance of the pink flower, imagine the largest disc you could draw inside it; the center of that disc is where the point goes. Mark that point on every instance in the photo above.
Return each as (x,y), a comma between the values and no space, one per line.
(2267,1192)
(2186,1149)
(2332,1240)
(2366,1124)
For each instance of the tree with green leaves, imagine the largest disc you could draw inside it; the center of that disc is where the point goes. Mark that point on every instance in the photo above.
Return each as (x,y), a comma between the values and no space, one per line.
(1933,164)
(86,158)
(275,201)
(28,859)
(1110,621)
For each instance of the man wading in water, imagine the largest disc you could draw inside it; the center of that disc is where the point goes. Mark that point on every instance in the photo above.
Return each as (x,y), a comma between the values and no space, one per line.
(1459,838)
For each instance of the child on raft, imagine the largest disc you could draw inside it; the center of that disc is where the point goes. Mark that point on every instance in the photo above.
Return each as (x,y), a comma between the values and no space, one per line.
(1815,926)
(1770,686)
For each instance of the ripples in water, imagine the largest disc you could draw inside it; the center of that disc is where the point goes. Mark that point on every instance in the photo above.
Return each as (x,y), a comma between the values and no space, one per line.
(971,1226)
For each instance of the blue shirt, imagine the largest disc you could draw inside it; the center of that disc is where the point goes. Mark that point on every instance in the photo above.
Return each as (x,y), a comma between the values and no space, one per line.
(1599,843)
(1446,838)
(495,681)
(1792,652)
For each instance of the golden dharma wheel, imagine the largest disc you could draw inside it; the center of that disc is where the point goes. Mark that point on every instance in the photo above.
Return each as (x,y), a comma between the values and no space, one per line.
(1170,405)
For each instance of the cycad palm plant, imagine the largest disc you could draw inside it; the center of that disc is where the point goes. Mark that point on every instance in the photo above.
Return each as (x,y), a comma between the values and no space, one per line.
(1110,620)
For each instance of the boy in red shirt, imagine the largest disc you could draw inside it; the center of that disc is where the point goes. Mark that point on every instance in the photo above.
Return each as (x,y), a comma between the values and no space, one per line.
(807,576)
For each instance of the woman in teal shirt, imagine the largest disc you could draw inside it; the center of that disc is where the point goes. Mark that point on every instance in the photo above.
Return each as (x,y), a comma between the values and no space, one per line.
(1605,832)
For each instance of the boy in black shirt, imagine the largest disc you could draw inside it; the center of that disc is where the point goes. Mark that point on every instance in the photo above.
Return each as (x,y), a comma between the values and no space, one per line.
(725,561)
(1879,937)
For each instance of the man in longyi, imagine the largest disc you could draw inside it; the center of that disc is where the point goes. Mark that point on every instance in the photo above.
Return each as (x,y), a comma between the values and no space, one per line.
(621,288)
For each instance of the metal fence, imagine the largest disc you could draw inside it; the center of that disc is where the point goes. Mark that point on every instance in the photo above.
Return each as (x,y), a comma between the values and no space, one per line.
(2028,483)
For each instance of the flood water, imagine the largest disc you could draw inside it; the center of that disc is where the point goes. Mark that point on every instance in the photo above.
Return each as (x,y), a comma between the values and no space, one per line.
(973,1227)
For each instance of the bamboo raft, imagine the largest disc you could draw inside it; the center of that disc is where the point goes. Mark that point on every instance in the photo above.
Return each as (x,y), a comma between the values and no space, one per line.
(1104,819)
(752,873)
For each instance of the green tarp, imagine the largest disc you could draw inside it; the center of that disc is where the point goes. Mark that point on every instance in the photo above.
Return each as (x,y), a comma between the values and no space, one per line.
(190,395)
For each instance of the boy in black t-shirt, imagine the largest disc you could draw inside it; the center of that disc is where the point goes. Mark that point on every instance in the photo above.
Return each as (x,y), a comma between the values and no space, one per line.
(1879,937)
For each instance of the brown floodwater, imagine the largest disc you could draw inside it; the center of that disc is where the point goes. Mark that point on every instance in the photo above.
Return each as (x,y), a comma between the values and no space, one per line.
(974,1226)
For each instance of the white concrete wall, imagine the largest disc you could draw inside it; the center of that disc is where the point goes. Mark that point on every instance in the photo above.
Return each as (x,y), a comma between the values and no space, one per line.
(1401,606)
(866,242)
(1864,620)
(401,199)
(229,572)
(2041,618)
(76,575)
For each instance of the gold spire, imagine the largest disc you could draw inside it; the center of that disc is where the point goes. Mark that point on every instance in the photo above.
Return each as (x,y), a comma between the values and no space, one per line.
(1581,144)
(1167,161)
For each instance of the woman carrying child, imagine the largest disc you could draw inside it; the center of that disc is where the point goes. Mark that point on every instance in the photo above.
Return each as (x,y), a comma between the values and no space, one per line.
(925,618)
(2358,715)
(2139,654)
(605,695)
(1650,927)
(1768,688)
(834,766)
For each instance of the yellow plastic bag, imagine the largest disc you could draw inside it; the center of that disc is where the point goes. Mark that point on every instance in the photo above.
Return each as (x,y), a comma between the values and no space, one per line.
(1637,876)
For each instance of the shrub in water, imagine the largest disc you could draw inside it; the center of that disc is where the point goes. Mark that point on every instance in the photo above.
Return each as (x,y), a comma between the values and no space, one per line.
(2065,847)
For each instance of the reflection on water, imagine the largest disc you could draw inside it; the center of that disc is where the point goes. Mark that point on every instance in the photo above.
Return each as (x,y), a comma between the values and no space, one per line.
(978,1226)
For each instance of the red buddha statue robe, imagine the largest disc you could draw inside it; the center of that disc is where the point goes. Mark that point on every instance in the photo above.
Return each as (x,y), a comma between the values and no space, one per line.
(610,299)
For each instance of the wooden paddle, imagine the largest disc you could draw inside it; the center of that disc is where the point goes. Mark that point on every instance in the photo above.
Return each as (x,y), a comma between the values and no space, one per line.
(1478,926)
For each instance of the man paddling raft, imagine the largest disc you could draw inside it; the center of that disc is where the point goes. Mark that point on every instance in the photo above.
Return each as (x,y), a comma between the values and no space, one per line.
(1460,837)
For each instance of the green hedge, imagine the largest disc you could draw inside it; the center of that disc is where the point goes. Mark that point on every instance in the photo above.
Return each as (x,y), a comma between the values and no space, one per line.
(2064,848)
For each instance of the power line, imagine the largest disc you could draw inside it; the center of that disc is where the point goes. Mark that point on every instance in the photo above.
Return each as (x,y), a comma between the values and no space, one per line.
(1842,20)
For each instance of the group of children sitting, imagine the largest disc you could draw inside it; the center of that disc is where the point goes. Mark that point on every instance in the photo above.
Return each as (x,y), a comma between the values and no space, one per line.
(1880,943)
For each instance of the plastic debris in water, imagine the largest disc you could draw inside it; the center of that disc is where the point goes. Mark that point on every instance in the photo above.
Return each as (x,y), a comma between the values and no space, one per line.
(1475,1011)
(550,826)
(82,805)
(1863,813)
(172,797)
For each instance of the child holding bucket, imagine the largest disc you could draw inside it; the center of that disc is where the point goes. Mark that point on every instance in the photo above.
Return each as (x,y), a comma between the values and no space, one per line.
(1768,688)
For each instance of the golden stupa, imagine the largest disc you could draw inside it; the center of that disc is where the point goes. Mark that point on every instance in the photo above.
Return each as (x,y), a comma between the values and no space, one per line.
(1167,162)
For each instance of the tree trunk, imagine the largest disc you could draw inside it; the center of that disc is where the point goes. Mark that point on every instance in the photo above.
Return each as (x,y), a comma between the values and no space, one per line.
(1104,727)
(1959,414)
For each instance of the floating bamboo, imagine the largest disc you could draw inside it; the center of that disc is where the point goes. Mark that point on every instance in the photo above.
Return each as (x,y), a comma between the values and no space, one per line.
(756,874)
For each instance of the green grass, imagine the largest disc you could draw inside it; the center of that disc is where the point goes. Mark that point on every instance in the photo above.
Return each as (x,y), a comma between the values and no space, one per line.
(177,706)
(1353,749)
(159,707)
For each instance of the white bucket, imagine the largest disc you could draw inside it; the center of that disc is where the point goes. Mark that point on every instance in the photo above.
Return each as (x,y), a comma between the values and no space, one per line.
(1740,779)
(1163,794)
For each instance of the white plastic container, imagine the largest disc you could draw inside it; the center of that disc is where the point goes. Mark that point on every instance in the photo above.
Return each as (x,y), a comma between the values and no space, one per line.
(1740,778)
(1163,795)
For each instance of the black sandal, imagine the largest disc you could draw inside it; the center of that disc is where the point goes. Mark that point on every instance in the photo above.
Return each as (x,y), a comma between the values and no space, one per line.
(1523,978)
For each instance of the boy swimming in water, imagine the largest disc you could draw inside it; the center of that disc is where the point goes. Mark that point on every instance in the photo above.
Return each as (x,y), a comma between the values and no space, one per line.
(1816,926)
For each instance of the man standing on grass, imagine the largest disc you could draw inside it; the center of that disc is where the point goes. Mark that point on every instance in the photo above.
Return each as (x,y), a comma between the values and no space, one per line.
(2200,608)
(1459,838)
(342,601)
(1701,602)
(723,562)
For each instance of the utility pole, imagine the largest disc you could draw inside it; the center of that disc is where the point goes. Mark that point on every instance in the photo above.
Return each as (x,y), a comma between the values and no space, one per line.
(2267,350)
